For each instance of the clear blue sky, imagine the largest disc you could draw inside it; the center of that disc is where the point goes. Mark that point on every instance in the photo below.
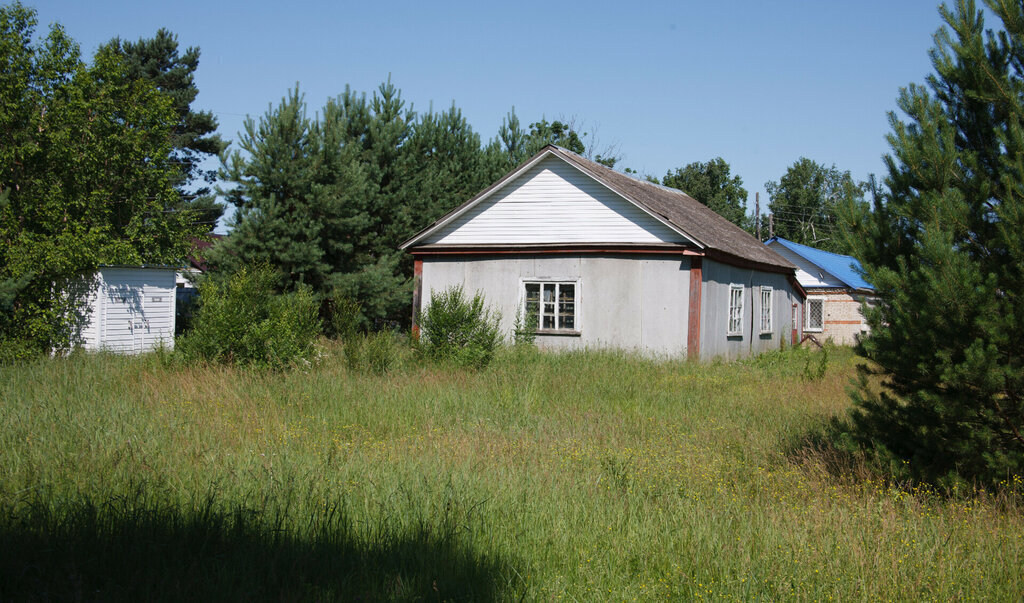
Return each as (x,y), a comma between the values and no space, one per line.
(757,83)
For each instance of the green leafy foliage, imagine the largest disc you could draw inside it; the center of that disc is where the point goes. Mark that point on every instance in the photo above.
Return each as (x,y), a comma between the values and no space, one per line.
(242,320)
(86,178)
(193,137)
(459,330)
(342,315)
(711,184)
(524,329)
(805,200)
(943,398)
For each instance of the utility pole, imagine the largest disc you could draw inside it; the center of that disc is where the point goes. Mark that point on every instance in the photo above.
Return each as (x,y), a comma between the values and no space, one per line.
(757,212)
(771,226)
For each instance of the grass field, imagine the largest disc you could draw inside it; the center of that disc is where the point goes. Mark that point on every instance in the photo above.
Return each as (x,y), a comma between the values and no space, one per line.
(563,477)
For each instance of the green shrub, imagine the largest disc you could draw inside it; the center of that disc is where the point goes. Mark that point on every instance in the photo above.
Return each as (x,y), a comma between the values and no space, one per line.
(375,353)
(242,320)
(524,330)
(343,315)
(459,330)
(13,350)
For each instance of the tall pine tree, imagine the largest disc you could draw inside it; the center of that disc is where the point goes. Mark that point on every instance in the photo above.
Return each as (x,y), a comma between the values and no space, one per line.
(329,200)
(945,251)
(194,138)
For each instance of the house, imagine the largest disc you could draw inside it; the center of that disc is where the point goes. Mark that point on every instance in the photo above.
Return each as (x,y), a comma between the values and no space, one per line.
(596,258)
(195,266)
(835,290)
(130,309)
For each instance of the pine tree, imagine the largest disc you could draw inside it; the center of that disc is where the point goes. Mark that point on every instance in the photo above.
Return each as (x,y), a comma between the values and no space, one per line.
(329,200)
(945,250)
(194,139)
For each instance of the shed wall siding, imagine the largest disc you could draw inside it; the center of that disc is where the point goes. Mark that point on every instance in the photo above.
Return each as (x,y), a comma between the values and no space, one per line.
(715,309)
(132,310)
(636,303)
(808,274)
(553,202)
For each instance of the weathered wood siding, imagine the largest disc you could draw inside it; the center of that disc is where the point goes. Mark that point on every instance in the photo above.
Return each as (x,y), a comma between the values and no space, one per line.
(132,310)
(807,273)
(632,302)
(553,202)
(715,342)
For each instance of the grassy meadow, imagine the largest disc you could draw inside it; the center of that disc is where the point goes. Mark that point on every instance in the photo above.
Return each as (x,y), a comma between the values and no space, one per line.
(578,476)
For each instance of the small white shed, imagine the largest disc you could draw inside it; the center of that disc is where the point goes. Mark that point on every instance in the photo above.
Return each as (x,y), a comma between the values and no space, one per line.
(131,310)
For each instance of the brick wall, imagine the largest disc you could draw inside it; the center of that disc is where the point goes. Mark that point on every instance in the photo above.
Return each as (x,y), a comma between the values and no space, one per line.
(843,320)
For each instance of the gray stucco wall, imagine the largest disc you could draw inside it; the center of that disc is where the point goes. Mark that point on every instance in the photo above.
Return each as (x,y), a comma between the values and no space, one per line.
(632,302)
(715,343)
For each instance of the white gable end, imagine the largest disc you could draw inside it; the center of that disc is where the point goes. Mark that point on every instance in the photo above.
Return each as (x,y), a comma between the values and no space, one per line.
(808,274)
(553,202)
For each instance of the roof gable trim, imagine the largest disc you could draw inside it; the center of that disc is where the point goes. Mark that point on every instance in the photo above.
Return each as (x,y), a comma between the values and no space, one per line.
(548,151)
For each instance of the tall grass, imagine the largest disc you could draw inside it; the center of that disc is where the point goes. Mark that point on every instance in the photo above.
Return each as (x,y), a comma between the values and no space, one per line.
(578,475)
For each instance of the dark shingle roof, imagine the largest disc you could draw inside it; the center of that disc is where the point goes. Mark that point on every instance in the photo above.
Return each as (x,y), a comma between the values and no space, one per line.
(700,223)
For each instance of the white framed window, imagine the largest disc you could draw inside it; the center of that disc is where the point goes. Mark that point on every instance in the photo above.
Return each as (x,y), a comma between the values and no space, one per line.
(815,313)
(735,310)
(553,306)
(766,310)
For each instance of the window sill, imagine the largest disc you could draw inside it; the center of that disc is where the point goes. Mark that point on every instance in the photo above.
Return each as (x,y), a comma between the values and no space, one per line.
(558,332)
(764,333)
(806,330)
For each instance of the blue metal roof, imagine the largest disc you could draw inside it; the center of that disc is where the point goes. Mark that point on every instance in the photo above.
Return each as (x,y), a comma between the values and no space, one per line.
(844,267)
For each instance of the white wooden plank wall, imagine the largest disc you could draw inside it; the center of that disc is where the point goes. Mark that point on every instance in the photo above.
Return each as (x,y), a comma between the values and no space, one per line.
(807,273)
(133,311)
(553,202)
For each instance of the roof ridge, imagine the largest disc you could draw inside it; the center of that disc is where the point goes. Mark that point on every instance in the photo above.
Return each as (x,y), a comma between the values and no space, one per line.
(635,178)
(838,255)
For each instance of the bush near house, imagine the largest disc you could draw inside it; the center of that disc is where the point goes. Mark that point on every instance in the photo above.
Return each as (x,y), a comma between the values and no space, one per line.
(458,329)
(241,320)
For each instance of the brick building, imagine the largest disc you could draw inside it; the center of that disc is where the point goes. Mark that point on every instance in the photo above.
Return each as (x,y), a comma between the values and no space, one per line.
(835,291)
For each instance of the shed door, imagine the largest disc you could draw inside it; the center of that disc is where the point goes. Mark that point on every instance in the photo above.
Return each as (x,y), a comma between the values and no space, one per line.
(123,324)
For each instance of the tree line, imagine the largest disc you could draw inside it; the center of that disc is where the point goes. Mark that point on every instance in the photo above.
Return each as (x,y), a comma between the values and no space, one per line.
(329,198)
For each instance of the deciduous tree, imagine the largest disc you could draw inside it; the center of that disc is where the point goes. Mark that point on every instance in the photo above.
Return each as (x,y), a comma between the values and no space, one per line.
(85,177)
(804,201)
(711,184)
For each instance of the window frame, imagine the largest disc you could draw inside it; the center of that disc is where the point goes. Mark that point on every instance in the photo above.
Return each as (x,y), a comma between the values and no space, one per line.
(577,304)
(807,313)
(729,331)
(771,310)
